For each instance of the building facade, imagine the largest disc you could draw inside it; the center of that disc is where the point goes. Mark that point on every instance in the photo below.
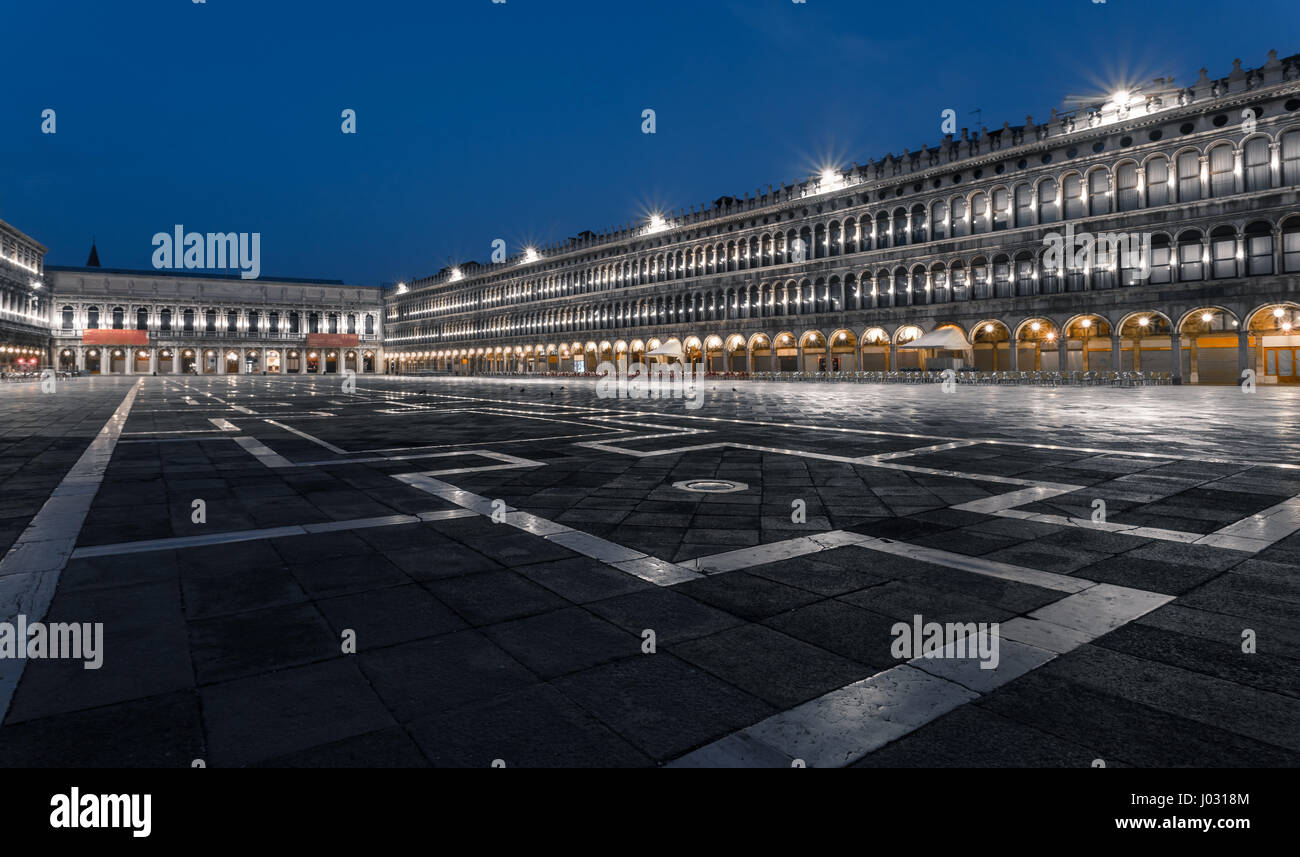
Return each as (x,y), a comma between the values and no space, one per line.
(121,322)
(24,301)
(836,272)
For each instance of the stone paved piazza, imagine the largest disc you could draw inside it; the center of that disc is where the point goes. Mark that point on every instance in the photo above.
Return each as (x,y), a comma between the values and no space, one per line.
(499,549)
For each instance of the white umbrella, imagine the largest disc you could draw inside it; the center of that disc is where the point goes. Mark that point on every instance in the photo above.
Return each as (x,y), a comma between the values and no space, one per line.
(946,338)
(671,348)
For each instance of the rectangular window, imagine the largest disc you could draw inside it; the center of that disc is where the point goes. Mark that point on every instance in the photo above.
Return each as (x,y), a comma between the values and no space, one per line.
(1224,253)
(1048,211)
(1024,206)
(1157,182)
(1189,177)
(1126,187)
(1291,251)
(1073,197)
(1221,178)
(1291,158)
(959,225)
(1098,192)
(979,213)
(1259,254)
(1001,209)
(1189,261)
(1160,259)
(1257,173)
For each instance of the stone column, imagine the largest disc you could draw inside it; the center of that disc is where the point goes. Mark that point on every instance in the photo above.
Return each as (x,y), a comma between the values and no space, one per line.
(1243,356)
(1117,353)
(153,361)
(176,361)
(128,363)
(1063,354)
(1176,350)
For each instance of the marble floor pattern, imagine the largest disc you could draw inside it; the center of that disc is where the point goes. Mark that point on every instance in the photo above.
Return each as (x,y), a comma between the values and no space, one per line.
(500,547)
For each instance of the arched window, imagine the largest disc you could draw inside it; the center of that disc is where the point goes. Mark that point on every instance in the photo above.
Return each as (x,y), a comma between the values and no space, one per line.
(1256,169)
(1222,182)
(1130,261)
(957,274)
(352,322)
(1259,249)
(253,318)
(939,283)
(1291,158)
(1158,181)
(232,321)
(979,270)
(1001,277)
(273,323)
(918,224)
(1291,245)
(1189,177)
(960,226)
(1049,276)
(142,319)
(1024,206)
(119,318)
(165,320)
(1001,209)
(1073,196)
(1126,186)
(1098,192)
(939,219)
(187,319)
(1190,262)
(1048,210)
(979,213)
(68,318)
(1223,253)
(294,324)
(370,324)
(1024,274)
(92,318)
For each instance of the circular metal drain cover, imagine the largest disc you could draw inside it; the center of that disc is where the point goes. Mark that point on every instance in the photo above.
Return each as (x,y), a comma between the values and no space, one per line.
(711,486)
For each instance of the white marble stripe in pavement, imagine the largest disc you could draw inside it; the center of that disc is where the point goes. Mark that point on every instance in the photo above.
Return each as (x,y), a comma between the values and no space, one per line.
(1264,528)
(922,450)
(845,725)
(1251,535)
(324,443)
(1011,499)
(649,568)
(29,572)
(182,542)
(776,551)
(262,452)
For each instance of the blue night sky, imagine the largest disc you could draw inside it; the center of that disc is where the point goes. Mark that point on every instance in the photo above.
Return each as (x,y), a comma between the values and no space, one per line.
(521,120)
